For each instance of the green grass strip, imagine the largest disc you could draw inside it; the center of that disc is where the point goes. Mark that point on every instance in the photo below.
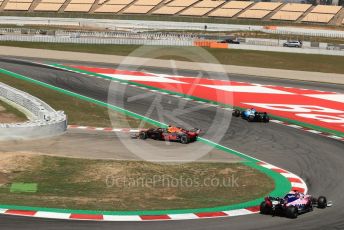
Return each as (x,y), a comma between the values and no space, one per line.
(282,185)
(23,187)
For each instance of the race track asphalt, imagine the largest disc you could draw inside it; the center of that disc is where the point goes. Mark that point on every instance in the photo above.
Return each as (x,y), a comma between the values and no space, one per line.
(318,160)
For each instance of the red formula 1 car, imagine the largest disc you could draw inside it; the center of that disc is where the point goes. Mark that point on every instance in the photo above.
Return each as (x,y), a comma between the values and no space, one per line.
(171,133)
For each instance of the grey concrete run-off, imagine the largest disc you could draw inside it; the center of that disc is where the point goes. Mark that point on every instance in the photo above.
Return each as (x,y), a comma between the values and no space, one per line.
(46,122)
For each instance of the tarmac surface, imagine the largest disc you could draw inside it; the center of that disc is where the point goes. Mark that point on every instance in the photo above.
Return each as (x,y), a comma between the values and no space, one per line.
(318,160)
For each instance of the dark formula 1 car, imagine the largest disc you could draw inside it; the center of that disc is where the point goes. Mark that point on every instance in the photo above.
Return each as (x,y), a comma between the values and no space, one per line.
(171,134)
(230,41)
(292,204)
(252,115)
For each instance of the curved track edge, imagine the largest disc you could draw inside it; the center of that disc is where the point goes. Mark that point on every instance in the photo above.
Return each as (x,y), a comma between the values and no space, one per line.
(284,182)
(296,182)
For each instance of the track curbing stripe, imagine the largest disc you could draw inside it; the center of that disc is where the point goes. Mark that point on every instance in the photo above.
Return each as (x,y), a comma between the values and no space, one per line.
(86,217)
(2,211)
(155,217)
(108,129)
(254,209)
(20,212)
(52,215)
(121,218)
(211,214)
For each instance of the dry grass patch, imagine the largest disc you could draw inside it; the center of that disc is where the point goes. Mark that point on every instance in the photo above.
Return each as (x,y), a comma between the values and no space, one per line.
(9,114)
(128,185)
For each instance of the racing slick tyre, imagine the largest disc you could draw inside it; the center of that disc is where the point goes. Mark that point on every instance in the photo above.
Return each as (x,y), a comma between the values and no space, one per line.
(184,139)
(193,139)
(264,208)
(266,118)
(291,212)
(322,202)
(250,118)
(236,113)
(143,135)
(310,207)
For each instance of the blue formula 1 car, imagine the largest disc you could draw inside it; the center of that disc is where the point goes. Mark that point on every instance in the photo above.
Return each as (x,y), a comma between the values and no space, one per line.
(252,115)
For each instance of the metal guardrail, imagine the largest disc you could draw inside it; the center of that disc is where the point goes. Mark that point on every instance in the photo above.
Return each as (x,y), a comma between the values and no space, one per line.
(110,34)
(335,47)
(262,42)
(46,121)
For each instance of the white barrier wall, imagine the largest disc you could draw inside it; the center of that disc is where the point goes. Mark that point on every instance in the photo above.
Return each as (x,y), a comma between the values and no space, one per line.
(46,121)
(145,35)
(82,40)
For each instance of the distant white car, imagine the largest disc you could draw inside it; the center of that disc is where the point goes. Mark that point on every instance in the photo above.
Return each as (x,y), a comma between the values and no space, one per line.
(297,44)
